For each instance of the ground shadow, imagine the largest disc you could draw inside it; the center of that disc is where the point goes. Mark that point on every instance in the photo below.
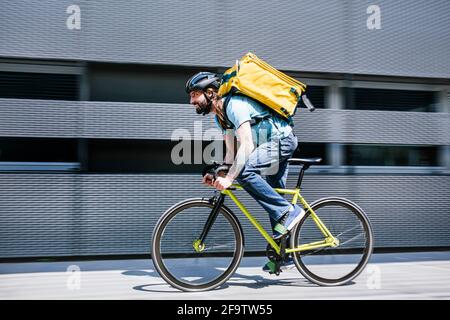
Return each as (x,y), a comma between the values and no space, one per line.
(256,282)
(140,273)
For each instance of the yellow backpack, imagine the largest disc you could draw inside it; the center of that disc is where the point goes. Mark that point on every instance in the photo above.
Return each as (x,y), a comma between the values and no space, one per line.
(257,79)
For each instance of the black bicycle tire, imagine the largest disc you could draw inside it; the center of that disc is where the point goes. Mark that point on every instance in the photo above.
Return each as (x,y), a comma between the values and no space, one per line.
(367,251)
(156,238)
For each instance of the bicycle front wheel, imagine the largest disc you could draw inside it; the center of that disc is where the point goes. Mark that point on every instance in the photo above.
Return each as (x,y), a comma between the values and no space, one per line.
(339,264)
(186,263)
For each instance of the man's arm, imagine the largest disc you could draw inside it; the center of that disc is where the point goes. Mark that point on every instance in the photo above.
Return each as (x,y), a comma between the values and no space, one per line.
(230,145)
(246,147)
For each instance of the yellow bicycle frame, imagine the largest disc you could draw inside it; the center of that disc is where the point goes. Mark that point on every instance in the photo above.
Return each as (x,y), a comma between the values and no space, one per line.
(329,241)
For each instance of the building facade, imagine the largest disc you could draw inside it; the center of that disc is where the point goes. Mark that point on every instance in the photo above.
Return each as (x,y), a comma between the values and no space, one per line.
(91,93)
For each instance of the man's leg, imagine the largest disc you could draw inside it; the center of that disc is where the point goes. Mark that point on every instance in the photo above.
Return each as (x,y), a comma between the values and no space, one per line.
(264,158)
(278,180)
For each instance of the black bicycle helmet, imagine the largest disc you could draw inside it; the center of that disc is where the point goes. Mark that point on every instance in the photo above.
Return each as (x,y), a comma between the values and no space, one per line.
(202,81)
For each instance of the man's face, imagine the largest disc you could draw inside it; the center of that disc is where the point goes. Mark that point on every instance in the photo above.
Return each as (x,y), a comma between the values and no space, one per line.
(198,100)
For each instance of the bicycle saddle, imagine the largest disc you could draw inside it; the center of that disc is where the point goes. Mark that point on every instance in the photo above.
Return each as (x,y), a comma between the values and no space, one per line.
(308,161)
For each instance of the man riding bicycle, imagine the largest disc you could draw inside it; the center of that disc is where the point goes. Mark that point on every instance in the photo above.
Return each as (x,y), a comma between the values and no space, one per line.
(266,143)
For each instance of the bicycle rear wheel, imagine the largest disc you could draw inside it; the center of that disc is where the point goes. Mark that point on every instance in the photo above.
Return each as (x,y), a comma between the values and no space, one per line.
(332,266)
(187,264)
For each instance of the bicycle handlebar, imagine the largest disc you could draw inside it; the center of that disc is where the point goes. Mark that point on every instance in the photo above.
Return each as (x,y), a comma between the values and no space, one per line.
(216,169)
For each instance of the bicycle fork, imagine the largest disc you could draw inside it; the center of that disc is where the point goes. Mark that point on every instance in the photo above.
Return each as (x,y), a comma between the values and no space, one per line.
(199,244)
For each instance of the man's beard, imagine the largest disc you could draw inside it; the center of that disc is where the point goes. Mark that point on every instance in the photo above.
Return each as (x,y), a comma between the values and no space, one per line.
(203,108)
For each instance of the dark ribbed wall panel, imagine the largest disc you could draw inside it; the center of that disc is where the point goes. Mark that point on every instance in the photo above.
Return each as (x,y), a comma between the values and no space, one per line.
(38,29)
(411,33)
(19,85)
(51,214)
(38,215)
(39,118)
(303,35)
(394,127)
(143,120)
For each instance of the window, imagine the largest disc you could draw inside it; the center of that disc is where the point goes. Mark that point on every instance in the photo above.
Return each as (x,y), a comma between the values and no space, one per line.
(139,83)
(390,155)
(312,150)
(38,149)
(38,154)
(316,94)
(390,100)
(153,84)
(141,156)
(30,85)
(154,156)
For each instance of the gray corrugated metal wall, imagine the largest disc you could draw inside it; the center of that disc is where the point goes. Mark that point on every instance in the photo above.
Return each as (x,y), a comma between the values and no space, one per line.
(83,214)
(66,214)
(320,35)
(80,214)
(89,119)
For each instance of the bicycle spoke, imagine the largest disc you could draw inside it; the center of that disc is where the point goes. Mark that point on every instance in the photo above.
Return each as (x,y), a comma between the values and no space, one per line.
(218,246)
(340,234)
(351,239)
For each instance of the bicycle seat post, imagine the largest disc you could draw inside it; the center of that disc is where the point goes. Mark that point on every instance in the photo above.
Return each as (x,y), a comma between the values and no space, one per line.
(300,176)
(306,162)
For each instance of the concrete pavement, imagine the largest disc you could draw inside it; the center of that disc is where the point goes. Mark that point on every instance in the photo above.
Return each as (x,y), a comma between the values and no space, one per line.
(424,275)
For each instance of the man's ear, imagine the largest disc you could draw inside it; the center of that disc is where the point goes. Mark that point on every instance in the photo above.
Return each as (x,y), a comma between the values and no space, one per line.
(210,92)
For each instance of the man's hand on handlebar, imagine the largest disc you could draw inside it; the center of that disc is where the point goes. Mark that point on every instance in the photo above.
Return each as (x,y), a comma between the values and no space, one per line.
(216,176)
(222,183)
(208,179)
